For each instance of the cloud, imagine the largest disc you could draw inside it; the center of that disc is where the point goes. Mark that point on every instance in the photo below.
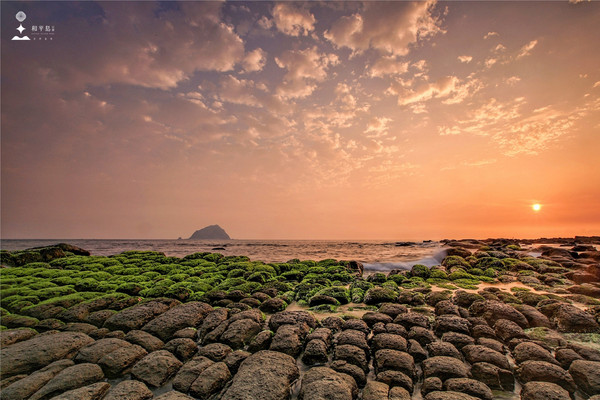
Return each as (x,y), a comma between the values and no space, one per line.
(387,65)
(490,34)
(254,60)
(526,49)
(465,59)
(597,84)
(304,67)
(449,88)
(390,27)
(237,91)
(378,126)
(293,20)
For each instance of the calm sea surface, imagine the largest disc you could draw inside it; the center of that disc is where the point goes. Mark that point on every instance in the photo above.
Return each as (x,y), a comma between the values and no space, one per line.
(375,255)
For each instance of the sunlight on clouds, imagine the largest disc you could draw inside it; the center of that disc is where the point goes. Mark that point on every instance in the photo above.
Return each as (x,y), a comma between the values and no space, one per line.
(526,50)
(254,60)
(465,59)
(292,20)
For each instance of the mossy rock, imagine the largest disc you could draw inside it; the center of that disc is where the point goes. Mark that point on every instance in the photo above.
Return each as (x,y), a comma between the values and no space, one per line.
(530,298)
(460,274)
(435,297)
(377,278)
(361,284)
(378,295)
(19,321)
(438,274)
(340,293)
(357,295)
(455,261)
(411,298)
(490,262)
(397,278)
(465,299)
(420,271)
(320,299)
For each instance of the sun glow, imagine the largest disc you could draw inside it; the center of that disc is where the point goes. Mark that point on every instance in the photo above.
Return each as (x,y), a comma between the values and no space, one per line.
(536,207)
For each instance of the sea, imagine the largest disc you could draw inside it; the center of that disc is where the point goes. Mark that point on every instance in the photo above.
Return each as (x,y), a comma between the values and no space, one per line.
(374,255)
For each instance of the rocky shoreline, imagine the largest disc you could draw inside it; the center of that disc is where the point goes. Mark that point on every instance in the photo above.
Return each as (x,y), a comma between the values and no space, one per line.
(490,322)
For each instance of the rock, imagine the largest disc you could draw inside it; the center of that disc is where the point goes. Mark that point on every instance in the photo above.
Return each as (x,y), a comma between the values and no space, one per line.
(210,381)
(389,341)
(395,360)
(465,299)
(149,342)
(28,385)
(410,319)
(186,333)
(98,318)
(584,351)
(274,305)
(378,295)
(451,323)
(315,352)
(493,376)
(235,359)
(421,335)
(291,318)
(443,349)
(325,383)
(137,316)
(129,390)
(399,393)
(416,351)
(375,391)
(446,307)
(459,340)
(492,311)
(448,395)
(566,356)
(173,395)
(323,334)
(469,386)
(118,361)
(476,353)
(176,318)
(210,232)
(350,369)
(189,372)
(530,351)
(320,299)
(94,391)
(212,320)
(393,309)
(262,341)
(431,384)
(266,375)
(545,372)
(534,317)
(396,329)
(240,332)
(156,368)
(507,330)
(333,323)
(95,351)
(484,331)
(10,336)
(357,325)
(215,351)
(69,378)
(543,391)
(371,318)
(354,338)
(288,340)
(396,378)
(182,348)
(39,351)
(353,355)
(586,375)
(444,368)
(491,343)
(569,318)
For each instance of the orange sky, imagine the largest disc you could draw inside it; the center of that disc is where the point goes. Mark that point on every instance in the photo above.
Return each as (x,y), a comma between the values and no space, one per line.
(376,120)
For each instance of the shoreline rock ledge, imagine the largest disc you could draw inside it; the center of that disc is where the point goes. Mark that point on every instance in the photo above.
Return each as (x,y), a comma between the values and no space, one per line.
(210,232)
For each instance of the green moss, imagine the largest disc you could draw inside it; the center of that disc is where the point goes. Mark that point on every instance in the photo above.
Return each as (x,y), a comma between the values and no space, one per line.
(357,295)
(420,271)
(455,261)
(293,275)
(377,277)
(460,274)
(156,291)
(466,283)
(490,262)
(54,292)
(361,284)
(339,293)
(248,287)
(324,308)
(397,278)
(379,295)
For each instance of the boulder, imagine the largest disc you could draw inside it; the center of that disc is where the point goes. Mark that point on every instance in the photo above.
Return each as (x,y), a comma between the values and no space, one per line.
(416,351)
(444,368)
(10,336)
(212,320)
(443,349)
(566,356)
(129,390)
(507,330)
(545,372)
(315,352)
(492,311)
(530,351)
(422,335)
(239,333)
(354,338)
(69,378)
(235,359)
(569,318)
(119,361)
(534,316)
(215,351)
(210,381)
(448,395)
(262,341)
(176,318)
(375,391)
(291,318)
(491,343)
(182,348)
(493,376)
(173,395)
(399,393)
(325,383)
(393,309)
(411,319)
(137,316)
(353,355)
(35,353)
(189,372)
(387,359)
(396,378)
(586,375)
(287,340)
(459,340)
(469,386)
(28,385)
(350,369)
(451,323)
(266,375)
(94,391)
(156,368)
(543,391)
(475,353)
(371,318)
(149,342)
(98,349)
(389,341)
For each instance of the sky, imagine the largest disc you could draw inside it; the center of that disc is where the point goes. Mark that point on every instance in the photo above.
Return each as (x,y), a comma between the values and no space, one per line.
(317,120)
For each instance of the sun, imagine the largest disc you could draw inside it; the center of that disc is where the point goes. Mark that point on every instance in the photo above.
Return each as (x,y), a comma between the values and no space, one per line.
(536,207)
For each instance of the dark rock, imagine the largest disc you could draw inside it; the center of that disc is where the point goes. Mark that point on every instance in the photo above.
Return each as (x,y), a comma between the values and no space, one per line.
(422,335)
(325,383)
(353,355)
(291,318)
(210,232)
(451,323)
(469,386)
(79,327)
(393,309)
(491,343)
(10,336)
(484,331)
(321,299)
(94,391)
(357,325)
(396,329)
(277,372)
(215,351)
(149,342)
(411,319)
(350,369)
(396,378)
(138,315)
(333,323)
(186,333)
(389,341)
(235,359)
(443,349)
(173,395)
(273,305)
(569,318)
(399,393)
(449,395)
(156,368)
(262,341)
(210,381)
(323,334)
(465,299)
(371,318)
(493,376)
(459,340)
(287,340)
(507,330)
(416,351)
(39,351)
(189,372)
(375,391)
(211,321)
(584,351)
(182,348)
(98,349)
(129,390)
(586,375)
(179,317)
(543,391)
(120,360)
(566,356)
(431,384)
(44,325)
(387,359)
(69,378)
(531,351)
(492,311)
(444,368)
(315,352)
(98,318)
(446,307)
(353,337)
(476,353)
(214,335)
(28,385)
(545,372)
(240,332)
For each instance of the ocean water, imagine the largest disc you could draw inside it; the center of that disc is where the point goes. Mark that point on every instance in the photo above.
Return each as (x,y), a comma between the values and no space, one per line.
(375,255)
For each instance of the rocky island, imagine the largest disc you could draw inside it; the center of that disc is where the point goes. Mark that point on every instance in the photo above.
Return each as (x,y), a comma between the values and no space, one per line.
(491,321)
(210,232)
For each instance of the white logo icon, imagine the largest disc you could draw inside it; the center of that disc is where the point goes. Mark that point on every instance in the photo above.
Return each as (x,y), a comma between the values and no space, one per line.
(20,17)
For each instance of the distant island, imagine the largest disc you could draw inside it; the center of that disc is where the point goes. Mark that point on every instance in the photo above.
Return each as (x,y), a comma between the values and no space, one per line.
(210,232)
